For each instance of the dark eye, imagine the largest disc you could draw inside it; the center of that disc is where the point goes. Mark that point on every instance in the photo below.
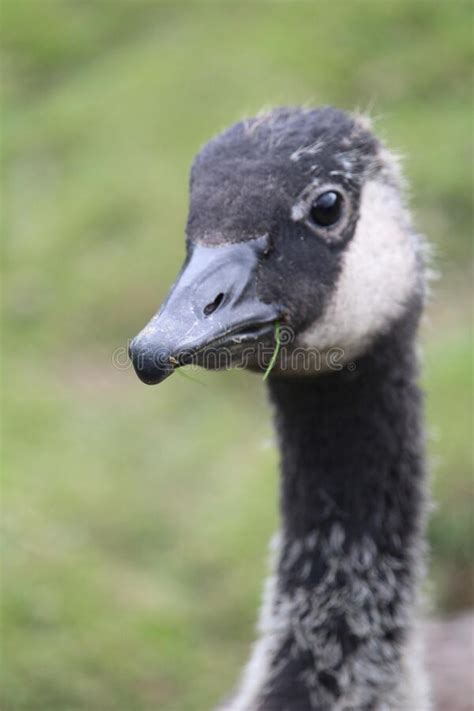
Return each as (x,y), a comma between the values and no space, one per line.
(326,209)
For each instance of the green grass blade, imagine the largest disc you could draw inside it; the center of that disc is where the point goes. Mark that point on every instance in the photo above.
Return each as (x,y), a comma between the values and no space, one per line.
(186,375)
(275,352)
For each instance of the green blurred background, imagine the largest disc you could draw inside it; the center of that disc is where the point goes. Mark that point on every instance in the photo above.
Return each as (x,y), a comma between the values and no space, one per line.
(136,520)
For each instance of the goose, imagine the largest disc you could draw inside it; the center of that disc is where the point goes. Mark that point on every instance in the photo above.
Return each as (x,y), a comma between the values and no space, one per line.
(301,255)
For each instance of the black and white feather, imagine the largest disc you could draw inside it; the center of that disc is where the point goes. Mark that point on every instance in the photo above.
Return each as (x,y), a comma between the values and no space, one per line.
(338,629)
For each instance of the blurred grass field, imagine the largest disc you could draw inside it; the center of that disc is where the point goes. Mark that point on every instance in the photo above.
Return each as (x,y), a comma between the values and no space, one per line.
(136,520)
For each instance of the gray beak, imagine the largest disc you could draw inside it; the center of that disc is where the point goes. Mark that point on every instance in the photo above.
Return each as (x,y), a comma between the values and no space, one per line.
(212,305)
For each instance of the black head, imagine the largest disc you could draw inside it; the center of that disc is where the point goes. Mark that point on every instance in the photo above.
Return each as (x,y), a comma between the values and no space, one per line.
(276,205)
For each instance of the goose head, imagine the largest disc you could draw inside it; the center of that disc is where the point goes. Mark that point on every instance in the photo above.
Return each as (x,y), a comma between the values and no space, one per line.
(296,219)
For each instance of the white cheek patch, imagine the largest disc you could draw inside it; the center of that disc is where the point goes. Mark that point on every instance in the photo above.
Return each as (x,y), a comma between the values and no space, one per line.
(380,271)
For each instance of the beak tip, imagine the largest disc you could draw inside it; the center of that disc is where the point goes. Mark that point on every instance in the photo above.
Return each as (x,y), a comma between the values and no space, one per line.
(152,365)
(154,380)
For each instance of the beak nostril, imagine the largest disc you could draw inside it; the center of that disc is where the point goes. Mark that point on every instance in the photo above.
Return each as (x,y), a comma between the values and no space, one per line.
(214,305)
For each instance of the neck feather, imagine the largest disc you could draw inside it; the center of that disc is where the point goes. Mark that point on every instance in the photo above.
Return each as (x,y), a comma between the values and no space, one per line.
(352,445)
(340,614)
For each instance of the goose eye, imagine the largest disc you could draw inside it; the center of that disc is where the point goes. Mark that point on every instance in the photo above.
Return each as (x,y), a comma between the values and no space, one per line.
(326,209)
